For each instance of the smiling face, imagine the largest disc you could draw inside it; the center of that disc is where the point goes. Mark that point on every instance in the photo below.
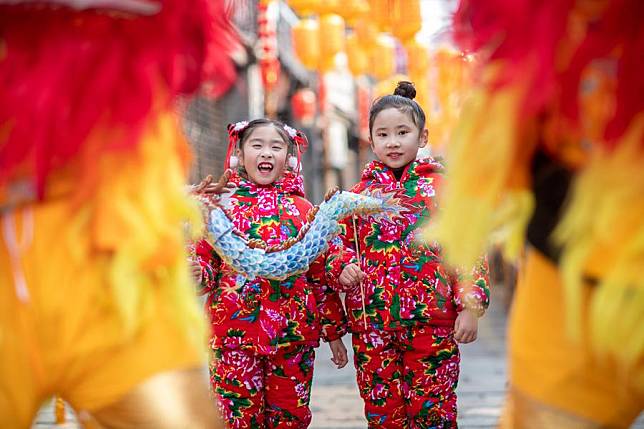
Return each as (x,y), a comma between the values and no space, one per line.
(263,155)
(395,139)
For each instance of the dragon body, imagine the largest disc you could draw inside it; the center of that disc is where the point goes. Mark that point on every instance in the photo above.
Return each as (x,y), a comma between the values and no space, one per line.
(251,258)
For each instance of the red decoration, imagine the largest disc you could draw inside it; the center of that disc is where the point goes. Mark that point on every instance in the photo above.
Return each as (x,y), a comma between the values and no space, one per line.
(268,62)
(126,70)
(364,105)
(303,105)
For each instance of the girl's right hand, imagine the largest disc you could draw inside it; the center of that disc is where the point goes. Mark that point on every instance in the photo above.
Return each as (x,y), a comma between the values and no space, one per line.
(351,276)
(339,352)
(208,187)
(196,270)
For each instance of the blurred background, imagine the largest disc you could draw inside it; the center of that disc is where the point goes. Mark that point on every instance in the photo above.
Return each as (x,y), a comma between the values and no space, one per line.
(318,65)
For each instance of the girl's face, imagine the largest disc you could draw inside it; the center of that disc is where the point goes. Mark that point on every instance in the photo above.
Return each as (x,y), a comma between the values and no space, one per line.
(395,139)
(263,155)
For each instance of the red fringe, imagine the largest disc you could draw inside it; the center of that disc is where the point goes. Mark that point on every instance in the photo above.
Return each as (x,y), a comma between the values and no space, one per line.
(66,72)
(522,33)
(527,36)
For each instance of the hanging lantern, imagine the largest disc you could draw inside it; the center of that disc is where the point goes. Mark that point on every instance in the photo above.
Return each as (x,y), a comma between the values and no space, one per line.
(266,31)
(352,10)
(379,11)
(313,7)
(364,105)
(303,106)
(417,57)
(367,33)
(383,57)
(450,76)
(421,83)
(356,56)
(306,42)
(331,40)
(270,70)
(406,19)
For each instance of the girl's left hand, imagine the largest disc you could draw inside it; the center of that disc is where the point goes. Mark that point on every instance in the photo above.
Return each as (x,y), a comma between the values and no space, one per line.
(339,352)
(466,327)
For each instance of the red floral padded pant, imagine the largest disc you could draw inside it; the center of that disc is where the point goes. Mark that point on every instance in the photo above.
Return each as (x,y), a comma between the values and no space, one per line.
(258,391)
(407,378)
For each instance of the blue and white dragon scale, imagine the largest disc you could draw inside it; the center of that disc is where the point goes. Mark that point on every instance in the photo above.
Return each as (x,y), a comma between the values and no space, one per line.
(251,259)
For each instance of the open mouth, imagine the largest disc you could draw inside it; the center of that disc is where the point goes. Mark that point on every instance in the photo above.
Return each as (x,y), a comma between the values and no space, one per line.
(394,155)
(265,167)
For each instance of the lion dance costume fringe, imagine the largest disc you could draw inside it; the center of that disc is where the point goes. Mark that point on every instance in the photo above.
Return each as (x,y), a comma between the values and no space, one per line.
(559,96)
(92,173)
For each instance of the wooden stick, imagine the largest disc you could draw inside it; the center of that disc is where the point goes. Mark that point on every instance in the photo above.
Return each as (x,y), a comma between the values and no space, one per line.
(362,292)
(59,410)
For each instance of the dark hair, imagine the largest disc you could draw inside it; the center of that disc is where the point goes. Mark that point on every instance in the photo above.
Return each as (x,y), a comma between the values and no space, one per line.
(245,134)
(403,100)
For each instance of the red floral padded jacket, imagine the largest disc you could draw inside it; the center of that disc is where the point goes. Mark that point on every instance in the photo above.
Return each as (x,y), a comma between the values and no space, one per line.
(263,314)
(406,282)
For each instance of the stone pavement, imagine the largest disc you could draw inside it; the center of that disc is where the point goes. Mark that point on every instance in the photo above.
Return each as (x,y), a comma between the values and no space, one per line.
(336,403)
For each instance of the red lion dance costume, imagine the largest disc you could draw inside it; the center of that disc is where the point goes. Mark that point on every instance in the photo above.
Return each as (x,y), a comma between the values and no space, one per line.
(556,127)
(96,301)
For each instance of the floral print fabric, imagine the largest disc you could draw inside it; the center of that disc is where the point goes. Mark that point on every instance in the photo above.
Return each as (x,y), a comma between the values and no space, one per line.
(407,283)
(241,378)
(407,378)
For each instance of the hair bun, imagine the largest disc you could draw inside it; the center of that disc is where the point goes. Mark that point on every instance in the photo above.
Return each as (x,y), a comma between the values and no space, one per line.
(405,89)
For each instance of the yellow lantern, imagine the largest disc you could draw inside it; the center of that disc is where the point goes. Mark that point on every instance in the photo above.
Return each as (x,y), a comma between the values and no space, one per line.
(421,83)
(356,56)
(352,10)
(450,76)
(367,33)
(313,7)
(417,58)
(379,11)
(383,57)
(406,19)
(306,36)
(331,39)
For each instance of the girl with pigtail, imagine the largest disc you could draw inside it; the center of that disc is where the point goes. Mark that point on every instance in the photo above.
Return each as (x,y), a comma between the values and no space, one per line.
(264,331)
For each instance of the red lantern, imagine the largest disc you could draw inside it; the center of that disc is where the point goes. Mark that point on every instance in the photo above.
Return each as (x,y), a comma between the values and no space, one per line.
(303,106)
(268,62)
(364,105)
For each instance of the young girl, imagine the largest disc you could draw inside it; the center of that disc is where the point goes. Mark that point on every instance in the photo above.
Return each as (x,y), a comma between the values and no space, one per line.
(265,331)
(406,355)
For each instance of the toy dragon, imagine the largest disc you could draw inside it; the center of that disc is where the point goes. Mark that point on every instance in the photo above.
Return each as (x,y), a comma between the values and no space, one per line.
(252,258)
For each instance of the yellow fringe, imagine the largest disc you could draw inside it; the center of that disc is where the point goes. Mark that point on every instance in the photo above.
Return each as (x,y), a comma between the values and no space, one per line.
(480,197)
(487,194)
(135,215)
(602,233)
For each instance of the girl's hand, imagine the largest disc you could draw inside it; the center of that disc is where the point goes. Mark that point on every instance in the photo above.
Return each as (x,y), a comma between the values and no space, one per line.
(351,276)
(208,187)
(466,327)
(339,351)
(195,269)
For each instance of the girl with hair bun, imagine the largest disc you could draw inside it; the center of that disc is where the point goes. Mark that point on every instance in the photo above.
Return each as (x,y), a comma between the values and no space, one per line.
(407,310)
